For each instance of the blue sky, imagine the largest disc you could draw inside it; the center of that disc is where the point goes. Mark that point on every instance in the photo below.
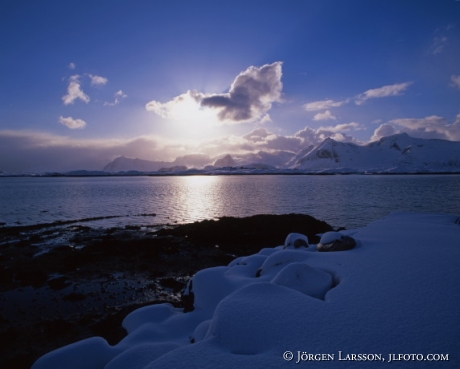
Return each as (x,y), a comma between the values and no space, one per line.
(84,82)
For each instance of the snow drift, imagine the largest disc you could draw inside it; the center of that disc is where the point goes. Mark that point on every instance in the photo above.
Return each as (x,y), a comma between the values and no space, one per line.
(396,292)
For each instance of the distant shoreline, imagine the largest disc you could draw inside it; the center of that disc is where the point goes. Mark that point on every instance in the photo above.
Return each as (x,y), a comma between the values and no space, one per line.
(237,173)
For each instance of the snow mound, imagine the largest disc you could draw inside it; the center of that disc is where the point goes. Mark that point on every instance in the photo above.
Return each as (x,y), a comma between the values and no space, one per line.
(296,240)
(397,292)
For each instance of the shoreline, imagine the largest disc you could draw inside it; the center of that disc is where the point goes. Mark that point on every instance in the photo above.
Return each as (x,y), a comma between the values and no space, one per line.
(90,279)
(229,173)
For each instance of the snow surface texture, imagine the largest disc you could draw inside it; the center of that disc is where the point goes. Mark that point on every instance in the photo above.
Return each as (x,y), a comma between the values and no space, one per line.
(397,292)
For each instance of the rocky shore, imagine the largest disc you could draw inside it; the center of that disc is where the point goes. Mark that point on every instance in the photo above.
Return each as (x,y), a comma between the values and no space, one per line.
(61,283)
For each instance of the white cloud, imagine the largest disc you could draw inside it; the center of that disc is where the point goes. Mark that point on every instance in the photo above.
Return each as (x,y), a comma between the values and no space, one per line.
(178,107)
(72,123)
(72,65)
(323,104)
(97,80)
(311,136)
(344,127)
(385,91)
(455,81)
(324,116)
(74,91)
(383,130)
(428,127)
(250,97)
(437,44)
(119,95)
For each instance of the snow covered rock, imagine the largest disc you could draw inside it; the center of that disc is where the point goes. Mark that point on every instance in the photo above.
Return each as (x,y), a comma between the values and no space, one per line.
(335,241)
(296,240)
(305,279)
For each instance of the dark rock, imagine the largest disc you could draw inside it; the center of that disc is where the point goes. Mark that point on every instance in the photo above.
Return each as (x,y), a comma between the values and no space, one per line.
(59,283)
(172,283)
(296,240)
(334,241)
(188,297)
(247,235)
(34,278)
(74,297)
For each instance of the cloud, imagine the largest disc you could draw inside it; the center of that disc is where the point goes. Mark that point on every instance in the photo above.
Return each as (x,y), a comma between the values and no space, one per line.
(251,94)
(383,130)
(344,127)
(119,95)
(437,45)
(323,104)
(311,136)
(324,116)
(39,151)
(455,81)
(74,91)
(178,107)
(385,91)
(428,127)
(72,123)
(97,80)
(250,97)
(72,66)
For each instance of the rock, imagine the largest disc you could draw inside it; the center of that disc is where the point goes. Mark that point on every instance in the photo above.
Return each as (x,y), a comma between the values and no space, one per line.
(74,297)
(34,278)
(296,240)
(59,283)
(188,297)
(335,241)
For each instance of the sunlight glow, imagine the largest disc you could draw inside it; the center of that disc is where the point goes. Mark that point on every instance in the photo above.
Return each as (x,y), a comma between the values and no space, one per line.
(200,198)
(187,117)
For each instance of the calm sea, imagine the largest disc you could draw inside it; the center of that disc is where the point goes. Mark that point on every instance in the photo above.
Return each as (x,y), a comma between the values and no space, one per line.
(350,201)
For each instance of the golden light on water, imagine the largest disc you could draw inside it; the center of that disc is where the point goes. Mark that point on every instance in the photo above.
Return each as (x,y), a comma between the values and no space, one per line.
(200,198)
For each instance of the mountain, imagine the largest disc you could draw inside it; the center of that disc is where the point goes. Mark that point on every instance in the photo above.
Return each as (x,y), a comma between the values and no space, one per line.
(398,153)
(124,164)
(226,161)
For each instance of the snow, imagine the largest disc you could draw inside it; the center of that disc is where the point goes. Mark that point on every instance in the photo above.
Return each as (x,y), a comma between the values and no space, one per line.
(396,292)
(399,153)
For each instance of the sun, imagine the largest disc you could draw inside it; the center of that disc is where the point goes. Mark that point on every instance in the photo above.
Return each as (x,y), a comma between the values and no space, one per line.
(191,119)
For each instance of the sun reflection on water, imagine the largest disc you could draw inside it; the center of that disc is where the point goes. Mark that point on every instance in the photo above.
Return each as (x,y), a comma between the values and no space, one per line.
(200,198)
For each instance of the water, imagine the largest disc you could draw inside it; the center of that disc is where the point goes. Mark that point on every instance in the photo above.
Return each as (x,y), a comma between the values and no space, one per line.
(350,201)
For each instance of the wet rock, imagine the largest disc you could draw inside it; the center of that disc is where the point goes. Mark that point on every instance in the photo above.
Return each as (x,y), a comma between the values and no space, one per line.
(172,283)
(34,278)
(74,297)
(188,298)
(335,241)
(59,283)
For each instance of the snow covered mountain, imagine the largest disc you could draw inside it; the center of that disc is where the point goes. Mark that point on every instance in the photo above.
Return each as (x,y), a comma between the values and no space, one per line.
(399,153)
(124,164)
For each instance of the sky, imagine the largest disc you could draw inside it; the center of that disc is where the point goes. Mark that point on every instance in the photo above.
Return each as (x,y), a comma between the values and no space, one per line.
(82,83)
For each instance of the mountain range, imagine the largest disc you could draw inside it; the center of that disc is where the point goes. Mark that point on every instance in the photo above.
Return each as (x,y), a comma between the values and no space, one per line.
(398,153)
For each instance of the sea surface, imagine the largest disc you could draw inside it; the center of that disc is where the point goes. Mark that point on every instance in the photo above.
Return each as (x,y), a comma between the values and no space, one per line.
(349,201)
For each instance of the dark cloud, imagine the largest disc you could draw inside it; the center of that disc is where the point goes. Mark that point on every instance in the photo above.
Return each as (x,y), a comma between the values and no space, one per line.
(251,94)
